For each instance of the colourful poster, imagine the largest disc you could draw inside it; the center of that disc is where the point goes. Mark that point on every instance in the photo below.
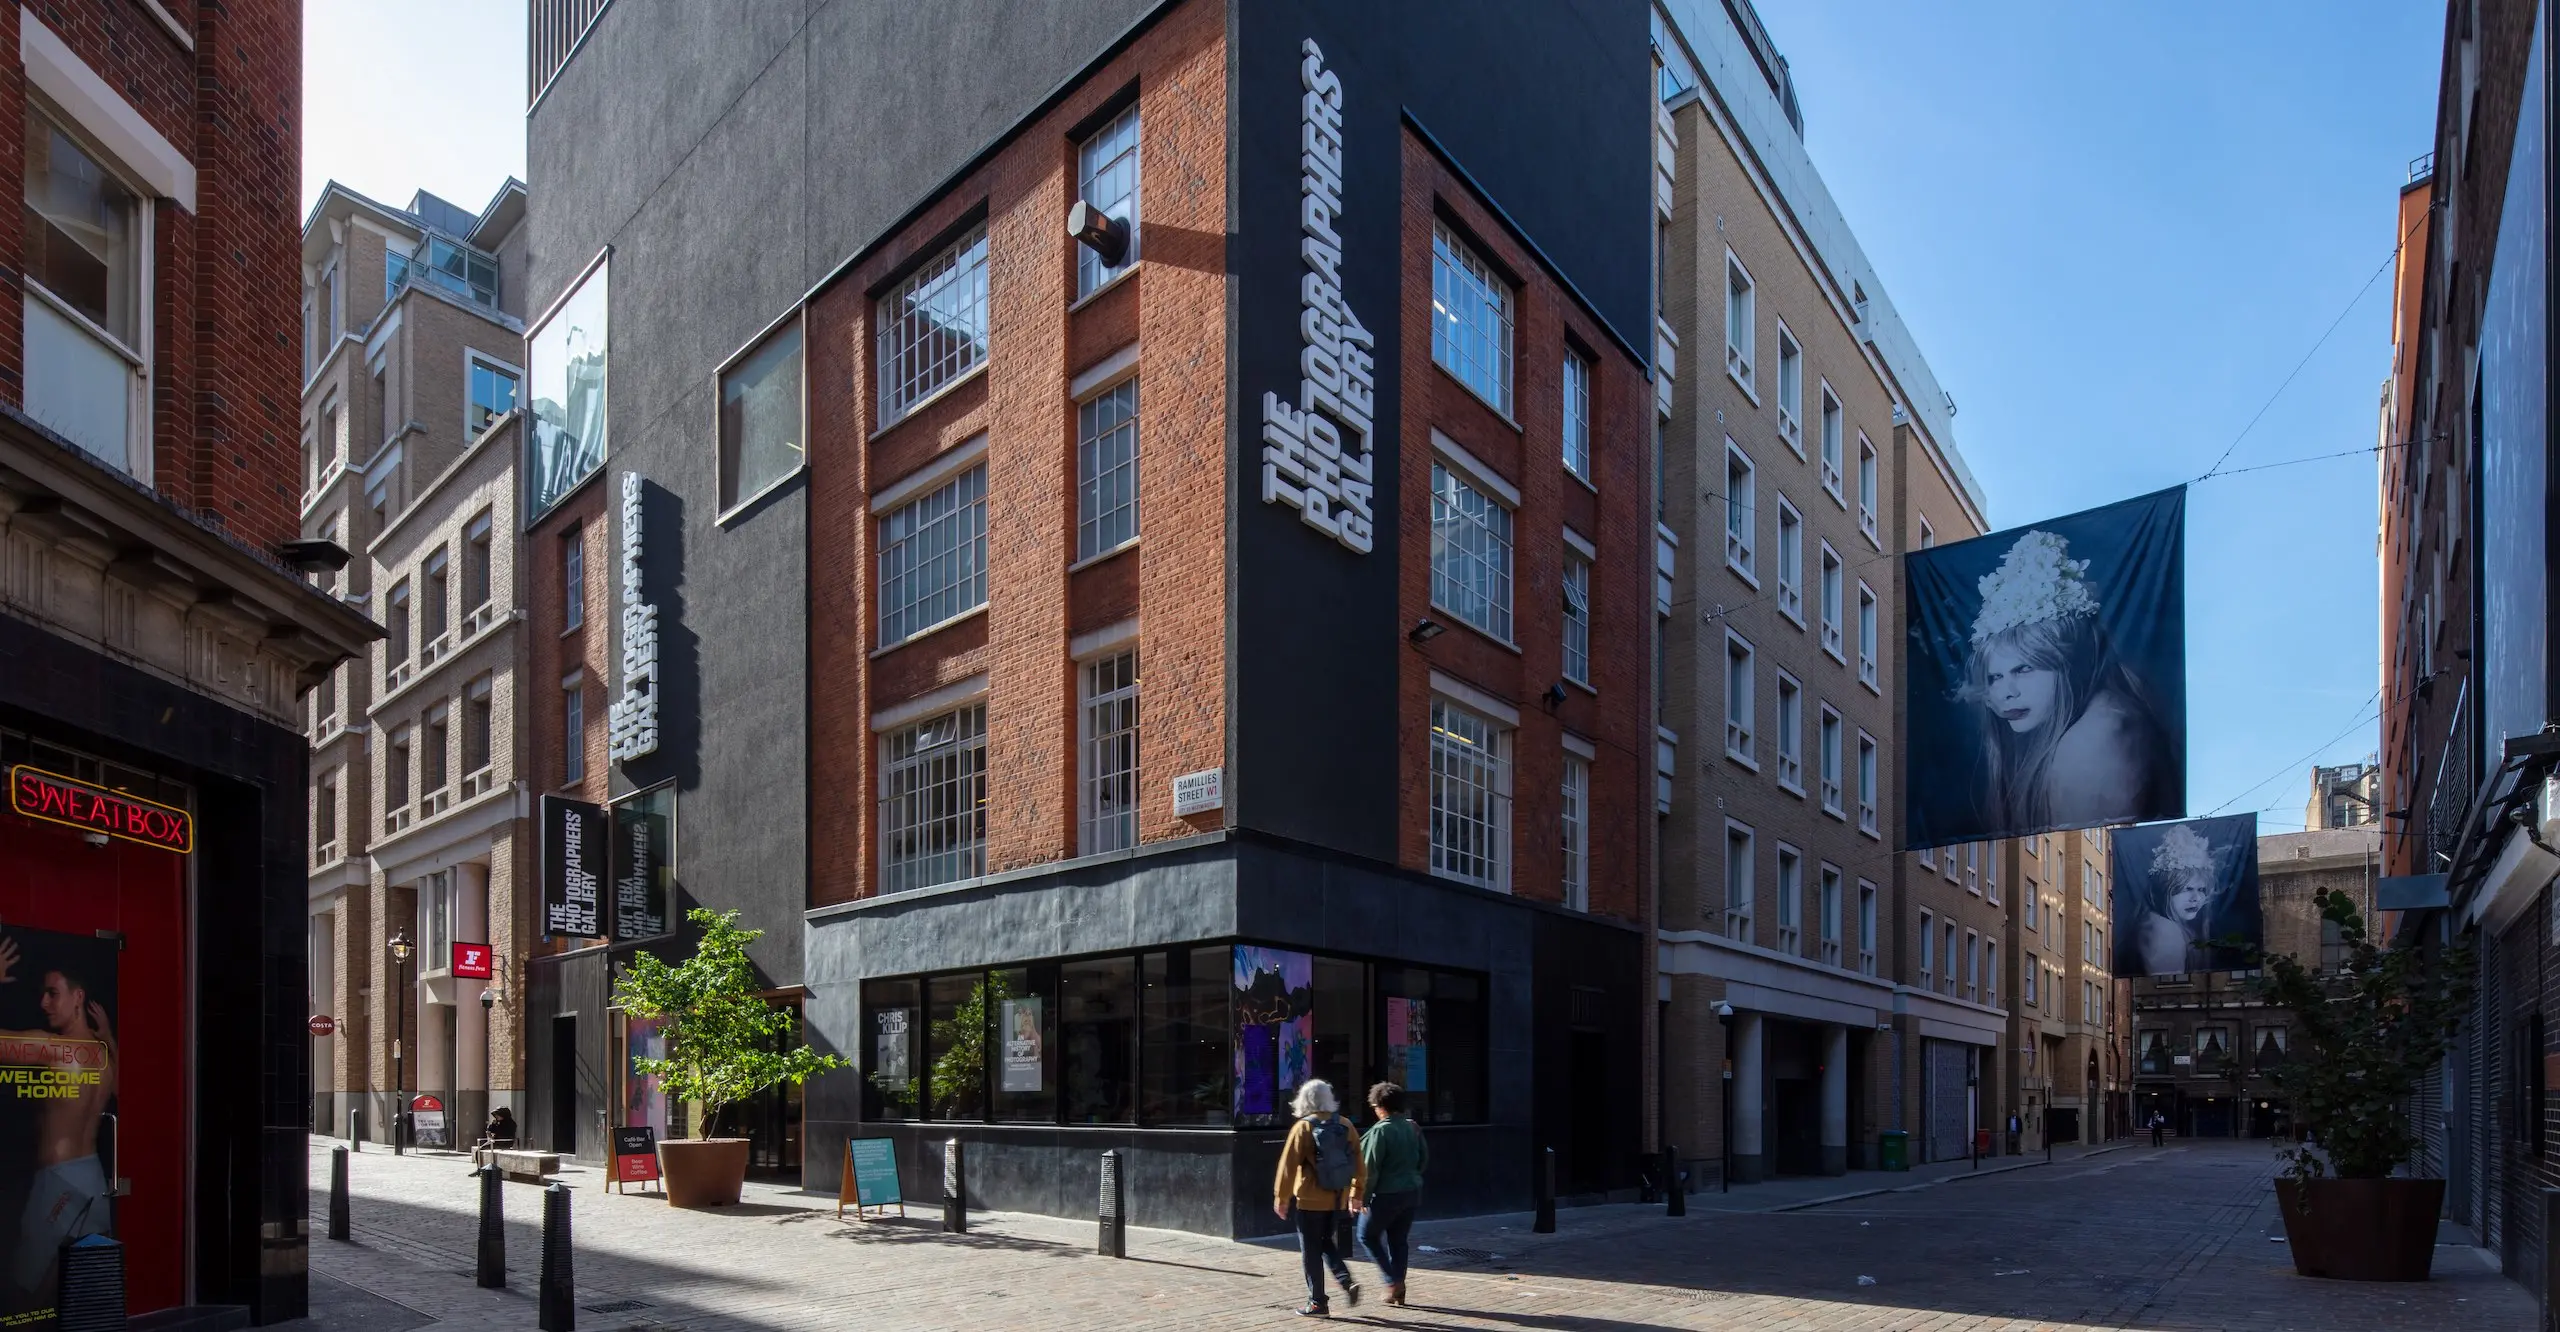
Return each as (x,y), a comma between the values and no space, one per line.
(644,1101)
(1022,1063)
(1409,1042)
(1274,989)
(58,1076)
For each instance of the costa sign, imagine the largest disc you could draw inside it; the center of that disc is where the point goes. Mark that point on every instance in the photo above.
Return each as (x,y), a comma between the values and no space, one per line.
(322,1024)
(54,798)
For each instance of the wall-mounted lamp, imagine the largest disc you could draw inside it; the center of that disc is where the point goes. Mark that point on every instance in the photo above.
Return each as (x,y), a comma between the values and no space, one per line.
(313,554)
(1554,697)
(1098,231)
(1426,629)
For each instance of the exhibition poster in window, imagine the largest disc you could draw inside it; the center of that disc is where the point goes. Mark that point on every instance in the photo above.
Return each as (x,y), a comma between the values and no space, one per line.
(1021,1030)
(1409,1042)
(1275,1027)
(644,1098)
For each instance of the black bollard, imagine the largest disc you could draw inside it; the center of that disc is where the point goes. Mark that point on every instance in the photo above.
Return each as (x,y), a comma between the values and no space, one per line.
(1546,1182)
(955,1191)
(1114,1240)
(559,1311)
(1675,1182)
(338,1193)
(355,1127)
(493,1229)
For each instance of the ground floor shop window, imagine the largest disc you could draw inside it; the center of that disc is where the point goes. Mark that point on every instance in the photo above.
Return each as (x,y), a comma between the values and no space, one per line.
(1183,1033)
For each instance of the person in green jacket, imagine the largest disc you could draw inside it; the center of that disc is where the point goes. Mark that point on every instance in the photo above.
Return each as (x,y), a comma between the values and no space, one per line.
(1393,1156)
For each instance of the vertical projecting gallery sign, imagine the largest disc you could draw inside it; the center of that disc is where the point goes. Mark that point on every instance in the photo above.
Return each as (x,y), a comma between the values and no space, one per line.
(1316,451)
(573,860)
(634,716)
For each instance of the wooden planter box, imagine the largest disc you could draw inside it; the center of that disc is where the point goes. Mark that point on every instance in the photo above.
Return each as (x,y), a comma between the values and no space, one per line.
(703,1172)
(2361,1229)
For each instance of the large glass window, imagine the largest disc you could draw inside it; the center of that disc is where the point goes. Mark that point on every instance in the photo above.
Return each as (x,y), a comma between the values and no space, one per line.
(1098,1040)
(1470,796)
(1470,554)
(1107,177)
(565,364)
(933,801)
(932,328)
(892,1021)
(1275,1032)
(493,394)
(1185,1036)
(956,1023)
(1110,773)
(1434,1042)
(762,418)
(933,558)
(1107,471)
(82,231)
(1471,318)
(1342,1029)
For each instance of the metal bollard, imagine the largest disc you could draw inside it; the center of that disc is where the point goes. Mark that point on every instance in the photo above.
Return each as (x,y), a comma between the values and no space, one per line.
(955,1191)
(493,1229)
(355,1127)
(1114,1240)
(337,1193)
(559,1296)
(1546,1183)
(1675,1182)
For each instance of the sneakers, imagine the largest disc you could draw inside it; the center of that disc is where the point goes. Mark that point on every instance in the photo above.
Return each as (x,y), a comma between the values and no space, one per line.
(1314,1311)
(1351,1292)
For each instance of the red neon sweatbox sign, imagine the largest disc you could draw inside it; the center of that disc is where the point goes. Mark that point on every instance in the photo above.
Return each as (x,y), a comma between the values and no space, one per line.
(54,798)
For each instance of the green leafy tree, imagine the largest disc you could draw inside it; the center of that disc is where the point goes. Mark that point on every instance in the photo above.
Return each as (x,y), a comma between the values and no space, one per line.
(2365,1034)
(724,1042)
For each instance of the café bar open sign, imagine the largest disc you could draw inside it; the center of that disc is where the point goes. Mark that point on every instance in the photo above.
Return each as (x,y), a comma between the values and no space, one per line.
(54,798)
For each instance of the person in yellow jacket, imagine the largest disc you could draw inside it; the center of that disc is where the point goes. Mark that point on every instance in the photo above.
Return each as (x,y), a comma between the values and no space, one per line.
(1319,1184)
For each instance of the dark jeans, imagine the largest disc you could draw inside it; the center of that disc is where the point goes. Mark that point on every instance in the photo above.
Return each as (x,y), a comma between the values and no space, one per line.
(1319,1247)
(1384,1228)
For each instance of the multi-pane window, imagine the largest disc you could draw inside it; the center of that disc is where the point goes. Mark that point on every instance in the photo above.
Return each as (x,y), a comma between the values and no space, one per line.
(1107,177)
(1832,421)
(1790,561)
(1866,928)
(1740,322)
(573,729)
(1866,634)
(933,557)
(1740,885)
(84,245)
(1949,939)
(1972,965)
(1866,783)
(395,771)
(1830,916)
(1928,950)
(1470,797)
(2027,979)
(1830,760)
(1470,554)
(1991,972)
(1790,900)
(2032,905)
(1577,832)
(492,394)
(1741,502)
(477,728)
(476,537)
(932,328)
(1471,318)
(1790,733)
(1110,754)
(398,624)
(1831,608)
(573,577)
(1991,874)
(933,800)
(1738,700)
(1577,618)
(1866,487)
(1107,470)
(1790,391)
(1577,414)
(763,418)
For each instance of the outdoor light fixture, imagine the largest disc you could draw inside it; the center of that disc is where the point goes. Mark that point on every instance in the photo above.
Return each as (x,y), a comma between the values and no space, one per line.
(399,948)
(1098,231)
(313,554)
(1554,696)
(1426,629)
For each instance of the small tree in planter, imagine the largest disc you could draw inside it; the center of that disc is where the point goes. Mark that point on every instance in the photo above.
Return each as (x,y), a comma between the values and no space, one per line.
(724,1043)
(2365,1034)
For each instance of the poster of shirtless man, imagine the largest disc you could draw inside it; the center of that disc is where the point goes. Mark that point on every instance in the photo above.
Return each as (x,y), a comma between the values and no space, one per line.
(58,1074)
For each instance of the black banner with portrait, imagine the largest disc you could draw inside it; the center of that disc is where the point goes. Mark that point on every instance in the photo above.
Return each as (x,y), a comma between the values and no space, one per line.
(2186,896)
(2047,676)
(58,1070)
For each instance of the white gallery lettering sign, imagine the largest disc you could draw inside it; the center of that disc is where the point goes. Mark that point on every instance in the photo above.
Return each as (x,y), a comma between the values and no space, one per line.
(634,717)
(1316,451)
(571,902)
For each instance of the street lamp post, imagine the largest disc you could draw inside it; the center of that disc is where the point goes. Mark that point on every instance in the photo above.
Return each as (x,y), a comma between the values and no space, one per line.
(488,1049)
(400,948)
(1724,1167)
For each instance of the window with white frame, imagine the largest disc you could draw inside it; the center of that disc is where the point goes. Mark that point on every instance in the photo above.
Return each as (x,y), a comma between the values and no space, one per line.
(2028,903)
(1866,928)
(1107,470)
(478,728)
(1949,939)
(1577,413)
(1790,390)
(1790,733)
(1928,950)
(933,800)
(1741,327)
(1831,608)
(1830,915)
(1740,886)
(1831,751)
(1790,900)
(933,557)
(1471,318)
(1470,553)
(1866,635)
(1738,700)
(1576,830)
(932,327)
(491,394)
(573,728)
(1470,797)
(1928,857)
(1790,561)
(1867,795)
(573,577)
(1972,965)
(1991,874)
(1741,505)
(2027,974)
(1972,863)
(1832,422)
(1928,535)
(1110,757)
(1577,617)
(83,264)
(1867,488)
(1107,178)
(763,417)
(1991,973)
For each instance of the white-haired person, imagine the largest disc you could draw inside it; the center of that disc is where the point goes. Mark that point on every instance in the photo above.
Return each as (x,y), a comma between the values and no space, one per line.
(1319,1184)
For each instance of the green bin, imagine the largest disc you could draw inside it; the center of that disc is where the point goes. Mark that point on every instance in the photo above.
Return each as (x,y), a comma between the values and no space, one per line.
(1893,1152)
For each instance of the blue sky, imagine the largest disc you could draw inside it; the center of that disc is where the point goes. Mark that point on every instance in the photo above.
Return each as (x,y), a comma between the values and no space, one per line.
(2115,230)
(404,95)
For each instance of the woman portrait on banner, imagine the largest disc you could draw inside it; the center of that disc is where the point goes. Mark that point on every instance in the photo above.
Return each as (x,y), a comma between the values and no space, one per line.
(2186,894)
(2070,737)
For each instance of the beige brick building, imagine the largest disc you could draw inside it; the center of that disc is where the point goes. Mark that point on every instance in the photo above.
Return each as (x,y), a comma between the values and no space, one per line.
(2064,1070)
(414,326)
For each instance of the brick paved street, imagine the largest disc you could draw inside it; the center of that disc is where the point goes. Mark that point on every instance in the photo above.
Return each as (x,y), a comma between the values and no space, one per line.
(2131,1238)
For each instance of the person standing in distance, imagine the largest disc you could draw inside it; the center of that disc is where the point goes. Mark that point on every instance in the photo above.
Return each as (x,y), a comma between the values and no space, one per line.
(1395,1157)
(1320,1181)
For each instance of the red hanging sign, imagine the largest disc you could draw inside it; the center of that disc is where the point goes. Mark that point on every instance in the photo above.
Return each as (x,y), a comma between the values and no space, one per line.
(323,1025)
(471,961)
(54,798)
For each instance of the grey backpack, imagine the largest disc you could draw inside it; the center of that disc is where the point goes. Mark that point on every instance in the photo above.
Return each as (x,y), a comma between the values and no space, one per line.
(1335,1161)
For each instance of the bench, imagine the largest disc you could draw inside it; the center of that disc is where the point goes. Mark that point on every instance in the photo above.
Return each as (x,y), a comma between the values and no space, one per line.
(522,1167)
